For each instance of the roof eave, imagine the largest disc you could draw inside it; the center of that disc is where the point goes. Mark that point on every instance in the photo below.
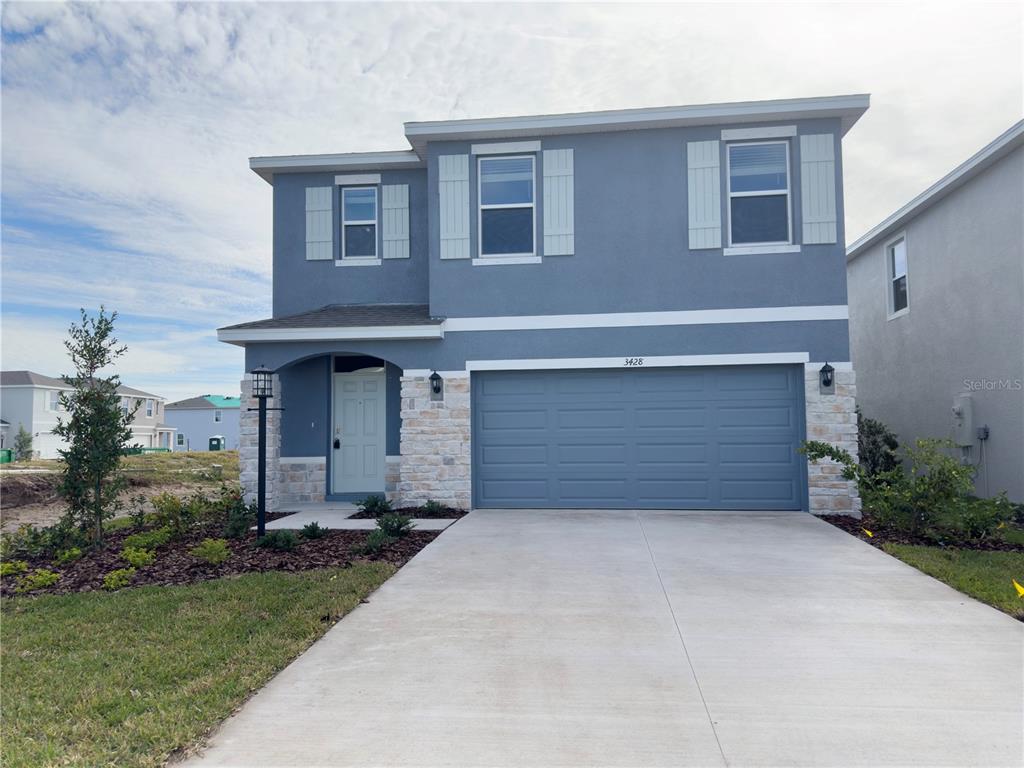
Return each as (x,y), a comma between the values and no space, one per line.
(242,336)
(266,167)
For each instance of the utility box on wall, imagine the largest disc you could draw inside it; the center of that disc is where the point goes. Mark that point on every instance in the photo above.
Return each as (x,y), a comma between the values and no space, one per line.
(963,420)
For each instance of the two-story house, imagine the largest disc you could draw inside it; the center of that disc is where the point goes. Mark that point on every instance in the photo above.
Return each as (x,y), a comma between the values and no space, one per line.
(31,401)
(201,421)
(623,309)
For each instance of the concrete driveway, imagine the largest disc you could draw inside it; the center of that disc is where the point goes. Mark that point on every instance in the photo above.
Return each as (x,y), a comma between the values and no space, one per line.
(543,638)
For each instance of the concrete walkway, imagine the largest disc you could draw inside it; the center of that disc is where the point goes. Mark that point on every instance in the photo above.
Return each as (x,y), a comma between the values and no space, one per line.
(534,638)
(335,515)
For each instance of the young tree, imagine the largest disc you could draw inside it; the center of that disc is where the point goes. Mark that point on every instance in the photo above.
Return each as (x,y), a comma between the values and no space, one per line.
(97,430)
(22,444)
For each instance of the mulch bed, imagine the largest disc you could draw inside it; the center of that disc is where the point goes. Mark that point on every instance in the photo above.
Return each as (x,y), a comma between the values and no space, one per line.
(448,513)
(174,564)
(881,536)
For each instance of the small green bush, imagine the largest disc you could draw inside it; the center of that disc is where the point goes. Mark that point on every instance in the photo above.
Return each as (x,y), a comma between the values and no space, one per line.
(374,505)
(239,519)
(13,567)
(979,519)
(137,558)
(41,578)
(313,531)
(31,542)
(432,507)
(118,579)
(212,551)
(282,541)
(67,556)
(394,524)
(148,539)
(138,513)
(876,446)
(375,542)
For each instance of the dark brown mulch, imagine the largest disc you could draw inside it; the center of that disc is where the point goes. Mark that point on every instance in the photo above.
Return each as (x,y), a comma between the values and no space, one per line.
(174,564)
(858,528)
(447,513)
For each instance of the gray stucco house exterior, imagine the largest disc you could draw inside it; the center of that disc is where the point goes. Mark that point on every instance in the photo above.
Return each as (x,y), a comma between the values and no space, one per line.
(198,419)
(623,309)
(937,315)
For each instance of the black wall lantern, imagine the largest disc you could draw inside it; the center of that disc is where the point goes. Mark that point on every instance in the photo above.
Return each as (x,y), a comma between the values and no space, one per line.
(262,389)
(436,383)
(826,379)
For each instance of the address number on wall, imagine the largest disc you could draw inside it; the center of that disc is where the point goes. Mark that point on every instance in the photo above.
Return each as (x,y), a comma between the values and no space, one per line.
(634,362)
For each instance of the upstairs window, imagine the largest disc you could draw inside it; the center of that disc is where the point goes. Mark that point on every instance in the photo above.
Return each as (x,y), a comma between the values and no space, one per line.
(55,401)
(359,223)
(149,409)
(759,195)
(218,416)
(506,189)
(899,301)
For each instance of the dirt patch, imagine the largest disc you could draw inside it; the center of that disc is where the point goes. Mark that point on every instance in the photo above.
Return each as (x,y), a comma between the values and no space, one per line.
(18,490)
(174,564)
(880,535)
(447,513)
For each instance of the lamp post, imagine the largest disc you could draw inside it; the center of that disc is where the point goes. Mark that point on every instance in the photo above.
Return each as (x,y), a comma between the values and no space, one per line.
(262,389)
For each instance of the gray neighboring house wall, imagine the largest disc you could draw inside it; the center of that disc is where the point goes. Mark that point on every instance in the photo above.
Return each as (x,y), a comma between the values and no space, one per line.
(535,264)
(29,399)
(197,419)
(962,331)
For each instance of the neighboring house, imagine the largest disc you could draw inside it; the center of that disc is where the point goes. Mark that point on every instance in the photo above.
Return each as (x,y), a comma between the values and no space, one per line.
(200,418)
(32,400)
(937,315)
(608,309)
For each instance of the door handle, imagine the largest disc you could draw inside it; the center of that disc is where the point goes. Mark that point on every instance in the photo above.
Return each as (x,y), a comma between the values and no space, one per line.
(337,443)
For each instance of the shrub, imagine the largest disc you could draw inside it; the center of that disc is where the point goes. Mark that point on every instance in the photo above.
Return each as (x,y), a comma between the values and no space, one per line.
(979,519)
(67,556)
(138,513)
(148,539)
(118,579)
(212,551)
(433,507)
(374,543)
(172,513)
(137,558)
(394,524)
(313,531)
(41,578)
(282,541)
(876,446)
(31,542)
(374,505)
(13,567)
(239,518)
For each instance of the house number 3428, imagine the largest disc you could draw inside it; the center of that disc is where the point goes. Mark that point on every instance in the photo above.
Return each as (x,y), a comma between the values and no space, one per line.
(634,361)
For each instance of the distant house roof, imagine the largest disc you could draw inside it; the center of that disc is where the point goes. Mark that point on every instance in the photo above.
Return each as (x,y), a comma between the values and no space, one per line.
(33,379)
(967,170)
(339,321)
(205,402)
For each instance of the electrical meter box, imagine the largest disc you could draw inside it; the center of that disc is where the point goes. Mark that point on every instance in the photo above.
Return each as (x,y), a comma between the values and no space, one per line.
(963,420)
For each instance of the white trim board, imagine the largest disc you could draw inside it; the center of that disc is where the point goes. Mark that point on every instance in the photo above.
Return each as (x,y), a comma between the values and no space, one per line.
(839,366)
(357,179)
(638,319)
(657,361)
(770,132)
(352,333)
(505,148)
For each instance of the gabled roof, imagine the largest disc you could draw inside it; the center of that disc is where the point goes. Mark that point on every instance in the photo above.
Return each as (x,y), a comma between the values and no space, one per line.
(355,321)
(33,379)
(847,108)
(205,402)
(991,153)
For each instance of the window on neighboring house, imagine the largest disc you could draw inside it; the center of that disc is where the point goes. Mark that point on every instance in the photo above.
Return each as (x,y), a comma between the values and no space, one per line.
(359,222)
(124,405)
(55,400)
(149,409)
(759,204)
(897,258)
(218,416)
(506,193)
(180,439)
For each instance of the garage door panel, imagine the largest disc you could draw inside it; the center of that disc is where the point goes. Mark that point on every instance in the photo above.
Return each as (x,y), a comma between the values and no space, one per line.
(707,438)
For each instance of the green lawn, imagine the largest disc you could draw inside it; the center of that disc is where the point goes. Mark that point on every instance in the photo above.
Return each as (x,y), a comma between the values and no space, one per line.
(127,678)
(986,576)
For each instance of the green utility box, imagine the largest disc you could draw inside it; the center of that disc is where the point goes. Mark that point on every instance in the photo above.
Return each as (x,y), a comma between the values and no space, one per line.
(217,443)
(6,455)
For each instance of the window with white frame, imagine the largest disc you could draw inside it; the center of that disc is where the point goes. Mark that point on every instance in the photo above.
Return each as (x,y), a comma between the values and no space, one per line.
(149,408)
(359,222)
(507,219)
(218,416)
(897,259)
(55,400)
(759,194)
(181,439)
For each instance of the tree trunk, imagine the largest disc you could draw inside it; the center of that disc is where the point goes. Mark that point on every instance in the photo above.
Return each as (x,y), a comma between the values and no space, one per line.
(98,510)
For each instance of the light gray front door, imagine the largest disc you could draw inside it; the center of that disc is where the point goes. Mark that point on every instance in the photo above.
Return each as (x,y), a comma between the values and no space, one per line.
(358,442)
(653,438)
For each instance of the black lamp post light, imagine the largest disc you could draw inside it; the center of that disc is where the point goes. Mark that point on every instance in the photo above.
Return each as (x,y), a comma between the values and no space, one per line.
(262,389)
(436,383)
(826,378)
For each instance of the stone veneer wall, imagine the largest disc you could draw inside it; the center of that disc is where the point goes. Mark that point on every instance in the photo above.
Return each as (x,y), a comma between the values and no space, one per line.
(248,449)
(392,476)
(832,419)
(302,479)
(435,458)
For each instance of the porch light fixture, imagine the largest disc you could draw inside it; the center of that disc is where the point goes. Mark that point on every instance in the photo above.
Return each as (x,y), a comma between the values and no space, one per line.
(827,376)
(262,389)
(435,383)
(262,382)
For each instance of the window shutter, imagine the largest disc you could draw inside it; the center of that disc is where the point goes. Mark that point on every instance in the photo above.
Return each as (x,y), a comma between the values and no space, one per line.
(559,207)
(395,207)
(818,188)
(453,188)
(704,194)
(319,232)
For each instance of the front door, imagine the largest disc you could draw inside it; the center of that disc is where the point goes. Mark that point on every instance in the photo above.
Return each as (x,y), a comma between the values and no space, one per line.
(357,443)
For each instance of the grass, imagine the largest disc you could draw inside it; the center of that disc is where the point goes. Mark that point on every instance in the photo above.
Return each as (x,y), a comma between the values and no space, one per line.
(985,576)
(183,466)
(128,678)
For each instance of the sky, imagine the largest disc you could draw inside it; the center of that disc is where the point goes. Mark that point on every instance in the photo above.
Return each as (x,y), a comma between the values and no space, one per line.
(126,128)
